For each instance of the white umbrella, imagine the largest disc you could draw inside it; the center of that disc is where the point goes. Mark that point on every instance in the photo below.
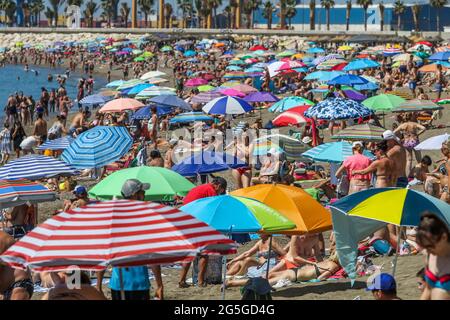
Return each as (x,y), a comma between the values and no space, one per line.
(153,74)
(433,143)
(273,68)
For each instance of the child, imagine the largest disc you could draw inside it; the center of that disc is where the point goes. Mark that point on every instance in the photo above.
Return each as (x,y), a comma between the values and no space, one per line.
(420,171)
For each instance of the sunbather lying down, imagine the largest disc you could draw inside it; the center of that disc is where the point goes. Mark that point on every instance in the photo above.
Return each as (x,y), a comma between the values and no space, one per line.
(319,271)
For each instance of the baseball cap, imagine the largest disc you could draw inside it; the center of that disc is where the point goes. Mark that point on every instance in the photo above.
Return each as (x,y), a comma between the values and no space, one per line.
(131,186)
(80,190)
(383,282)
(357,143)
(389,135)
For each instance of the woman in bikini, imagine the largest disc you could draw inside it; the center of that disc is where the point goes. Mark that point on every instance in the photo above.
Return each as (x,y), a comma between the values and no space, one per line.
(240,264)
(411,132)
(433,235)
(242,176)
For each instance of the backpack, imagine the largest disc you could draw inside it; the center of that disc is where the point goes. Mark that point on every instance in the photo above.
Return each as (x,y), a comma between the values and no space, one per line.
(256,289)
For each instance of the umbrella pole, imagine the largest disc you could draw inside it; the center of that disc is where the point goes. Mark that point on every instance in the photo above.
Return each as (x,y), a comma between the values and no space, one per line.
(224,270)
(394,267)
(268,258)
(122,291)
(384,120)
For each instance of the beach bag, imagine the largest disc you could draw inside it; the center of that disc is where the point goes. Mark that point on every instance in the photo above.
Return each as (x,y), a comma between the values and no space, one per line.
(382,247)
(256,289)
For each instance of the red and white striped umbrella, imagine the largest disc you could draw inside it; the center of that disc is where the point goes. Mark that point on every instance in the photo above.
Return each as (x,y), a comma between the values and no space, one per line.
(292,64)
(292,116)
(118,233)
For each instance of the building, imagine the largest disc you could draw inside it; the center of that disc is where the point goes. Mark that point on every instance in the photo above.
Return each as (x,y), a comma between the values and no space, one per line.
(301,21)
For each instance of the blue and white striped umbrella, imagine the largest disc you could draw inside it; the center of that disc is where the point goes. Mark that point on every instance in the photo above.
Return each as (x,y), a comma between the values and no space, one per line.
(333,152)
(322,59)
(337,109)
(56,144)
(95,99)
(98,147)
(35,167)
(227,105)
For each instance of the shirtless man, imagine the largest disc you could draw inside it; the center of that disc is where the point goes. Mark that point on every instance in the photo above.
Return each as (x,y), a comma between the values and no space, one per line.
(411,132)
(15,284)
(397,154)
(153,128)
(383,166)
(16,221)
(40,128)
(169,156)
(77,122)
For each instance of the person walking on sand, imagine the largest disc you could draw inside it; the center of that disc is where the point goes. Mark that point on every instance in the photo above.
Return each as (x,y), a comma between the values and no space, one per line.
(40,128)
(411,132)
(5,143)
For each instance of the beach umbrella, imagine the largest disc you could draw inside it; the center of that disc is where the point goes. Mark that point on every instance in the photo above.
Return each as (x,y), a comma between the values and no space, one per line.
(337,109)
(236,62)
(360,214)
(165,184)
(245,88)
(130,84)
(146,112)
(286,53)
(190,117)
(345,48)
(233,214)
(205,88)
(352,95)
(273,68)
(166,49)
(231,92)
(323,76)
(115,84)
(431,68)
(322,59)
(294,203)
(139,59)
(56,144)
(404,58)
(19,191)
(261,97)
(361,64)
(440,56)
(392,52)
(137,89)
(190,53)
(35,167)
(347,79)
(171,101)
(95,99)
(227,105)
(290,117)
(315,50)
(288,103)
(383,102)
(258,47)
(335,152)
(195,82)
(207,162)
(121,104)
(290,147)
(416,105)
(205,97)
(153,74)
(442,101)
(364,132)
(164,235)
(234,68)
(155,91)
(291,64)
(433,143)
(330,64)
(98,147)
(370,86)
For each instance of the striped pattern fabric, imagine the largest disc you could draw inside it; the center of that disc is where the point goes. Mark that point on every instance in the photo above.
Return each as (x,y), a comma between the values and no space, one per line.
(366,132)
(98,147)
(190,117)
(16,192)
(118,233)
(56,144)
(417,105)
(35,167)
(205,97)
(227,105)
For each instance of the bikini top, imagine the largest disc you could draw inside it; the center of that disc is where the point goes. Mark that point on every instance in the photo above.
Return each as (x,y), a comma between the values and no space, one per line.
(442,282)
(443,170)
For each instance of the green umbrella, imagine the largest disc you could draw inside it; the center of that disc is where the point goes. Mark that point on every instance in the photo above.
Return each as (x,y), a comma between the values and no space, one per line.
(139,59)
(383,102)
(421,54)
(206,88)
(165,184)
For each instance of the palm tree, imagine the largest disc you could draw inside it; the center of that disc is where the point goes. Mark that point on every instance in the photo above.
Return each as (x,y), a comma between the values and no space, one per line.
(312,14)
(282,14)
(399,10)
(327,4)
(198,8)
(438,4)
(348,11)
(146,8)
(26,13)
(416,11)
(36,7)
(9,7)
(381,8)
(91,9)
(161,14)
(291,11)
(247,9)
(168,11)
(55,4)
(365,5)
(268,11)
(50,15)
(229,14)
(108,10)
(186,9)
(234,4)
(125,11)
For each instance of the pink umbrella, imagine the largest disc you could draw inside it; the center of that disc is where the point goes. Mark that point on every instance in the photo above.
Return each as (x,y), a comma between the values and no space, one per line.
(208,76)
(245,88)
(251,60)
(291,65)
(195,82)
(121,104)
(233,93)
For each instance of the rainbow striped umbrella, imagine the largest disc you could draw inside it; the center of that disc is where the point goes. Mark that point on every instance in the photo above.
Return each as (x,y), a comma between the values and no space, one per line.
(365,132)
(19,191)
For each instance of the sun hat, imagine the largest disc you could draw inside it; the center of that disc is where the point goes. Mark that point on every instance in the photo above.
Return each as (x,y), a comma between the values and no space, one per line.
(389,135)
(132,186)
(357,143)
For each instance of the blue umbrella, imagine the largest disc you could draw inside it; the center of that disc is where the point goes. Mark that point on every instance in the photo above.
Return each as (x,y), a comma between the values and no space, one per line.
(206,162)
(146,112)
(348,80)
(315,50)
(115,84)
(98,147)
(440,56)
(35,167)
(171,101)
(323,76)
(333,152)
(95,99)
(288,103)
(235,68)
(337,109)
(56,144)
(368,86)
(190,117)
(190,53)
(227,105)
(193,60)
(136,89)
(361,64)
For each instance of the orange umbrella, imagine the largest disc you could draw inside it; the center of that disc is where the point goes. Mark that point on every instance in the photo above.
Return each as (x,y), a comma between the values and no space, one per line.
(121,104)
(220,44)
(294,203)
(431,68)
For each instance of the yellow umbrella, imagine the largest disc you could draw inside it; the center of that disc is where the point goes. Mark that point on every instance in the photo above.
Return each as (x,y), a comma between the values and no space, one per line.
(297,56)
(298,206)
(345,48)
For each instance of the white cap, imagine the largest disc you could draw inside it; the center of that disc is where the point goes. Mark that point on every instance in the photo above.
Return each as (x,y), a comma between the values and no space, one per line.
(306,139)
(357,143)
(389,135)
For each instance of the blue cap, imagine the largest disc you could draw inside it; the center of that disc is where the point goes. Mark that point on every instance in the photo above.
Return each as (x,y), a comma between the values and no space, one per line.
(80,190)
(383,282)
